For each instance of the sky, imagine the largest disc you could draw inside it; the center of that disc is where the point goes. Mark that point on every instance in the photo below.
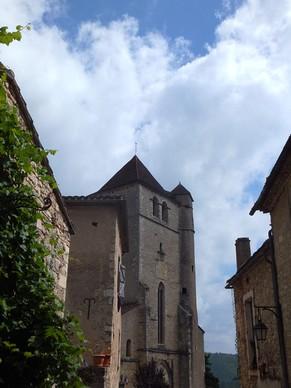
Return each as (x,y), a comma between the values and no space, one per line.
(203,87)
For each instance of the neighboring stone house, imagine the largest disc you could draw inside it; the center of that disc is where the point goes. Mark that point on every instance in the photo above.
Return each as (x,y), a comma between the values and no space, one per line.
(159,316)
(262,288)
(50,199)
(259,361)
(96,279)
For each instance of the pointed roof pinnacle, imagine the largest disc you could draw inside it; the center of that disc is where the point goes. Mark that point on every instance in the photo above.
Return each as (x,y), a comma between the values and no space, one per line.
(133,171)
(181,190)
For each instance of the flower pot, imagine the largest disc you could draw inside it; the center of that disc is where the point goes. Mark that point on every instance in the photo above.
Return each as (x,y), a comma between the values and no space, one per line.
(98,359)
(102,360)
(107,359)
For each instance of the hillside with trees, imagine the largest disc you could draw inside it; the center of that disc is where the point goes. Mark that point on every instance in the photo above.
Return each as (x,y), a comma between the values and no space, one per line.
(225,367)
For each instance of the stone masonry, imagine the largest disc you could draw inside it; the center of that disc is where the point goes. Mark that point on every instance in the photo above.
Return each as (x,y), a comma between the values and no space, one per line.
(56,214)
(265,279)
(275,199)
(160,257)
(259,361)
(93,293)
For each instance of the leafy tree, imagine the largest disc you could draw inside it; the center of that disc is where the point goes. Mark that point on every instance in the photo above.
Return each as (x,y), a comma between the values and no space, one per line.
(210,380)
(35,337)
(150,376)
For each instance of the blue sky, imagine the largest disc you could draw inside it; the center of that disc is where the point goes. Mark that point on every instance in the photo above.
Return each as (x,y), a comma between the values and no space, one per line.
(215,119)
(194,20)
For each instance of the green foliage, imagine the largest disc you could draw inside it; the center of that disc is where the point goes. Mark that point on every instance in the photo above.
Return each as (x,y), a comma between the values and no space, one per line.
(36,347)
(150,376)
(7,37)
(210,380)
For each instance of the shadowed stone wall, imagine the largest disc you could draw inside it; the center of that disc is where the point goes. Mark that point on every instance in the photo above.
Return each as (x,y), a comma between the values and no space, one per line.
(281,223)
(255,284)
(95,256)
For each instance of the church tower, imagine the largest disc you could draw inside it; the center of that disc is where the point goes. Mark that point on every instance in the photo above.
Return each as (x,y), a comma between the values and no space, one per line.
(159,315)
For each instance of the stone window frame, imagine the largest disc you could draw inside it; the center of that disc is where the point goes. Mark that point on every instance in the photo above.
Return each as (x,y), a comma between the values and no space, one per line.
(121,278)
(165,212)
(156,207)
(251,343)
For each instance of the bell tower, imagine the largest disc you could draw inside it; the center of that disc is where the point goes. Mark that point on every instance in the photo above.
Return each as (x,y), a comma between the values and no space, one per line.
(188,308)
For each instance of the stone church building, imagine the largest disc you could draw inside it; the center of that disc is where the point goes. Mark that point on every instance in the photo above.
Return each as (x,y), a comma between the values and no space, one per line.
(158,308)
(131,275)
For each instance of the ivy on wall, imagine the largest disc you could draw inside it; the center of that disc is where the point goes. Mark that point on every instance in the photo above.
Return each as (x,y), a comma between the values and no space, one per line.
(36,347)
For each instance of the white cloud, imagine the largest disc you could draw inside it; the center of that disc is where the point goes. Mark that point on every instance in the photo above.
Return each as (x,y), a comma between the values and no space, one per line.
(217,122)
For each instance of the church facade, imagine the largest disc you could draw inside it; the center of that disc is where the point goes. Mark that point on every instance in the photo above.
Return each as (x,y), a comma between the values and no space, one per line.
(159,313)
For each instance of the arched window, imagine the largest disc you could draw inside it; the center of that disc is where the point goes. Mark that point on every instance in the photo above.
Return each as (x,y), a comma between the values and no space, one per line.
(156,212)
(128,348)
(161,314)
(165,211)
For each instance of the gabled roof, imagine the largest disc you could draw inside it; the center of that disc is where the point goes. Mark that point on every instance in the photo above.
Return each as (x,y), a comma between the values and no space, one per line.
(280,171)
(133,171)
(181,190)
(258,255)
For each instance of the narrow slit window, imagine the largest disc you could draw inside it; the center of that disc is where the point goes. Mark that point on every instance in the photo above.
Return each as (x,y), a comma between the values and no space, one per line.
(128,348)
(156,212)
(165,215)
(161,314)
(251,344)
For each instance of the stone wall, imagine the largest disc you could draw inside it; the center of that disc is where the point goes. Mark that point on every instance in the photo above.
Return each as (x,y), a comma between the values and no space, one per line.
(133,330)
(188,286)
(160,263)
(156,267)
(56,214)
(95,256)
(200,359)
(130,259)
(58,259)
(281,223)
(256,284)
(154,257)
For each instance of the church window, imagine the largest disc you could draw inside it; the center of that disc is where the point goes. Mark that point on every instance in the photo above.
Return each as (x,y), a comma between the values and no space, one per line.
(121,285)
(161,314)
(128,348)
(161,251)
(156,209)
(184,291)
(251,344)
(165,215)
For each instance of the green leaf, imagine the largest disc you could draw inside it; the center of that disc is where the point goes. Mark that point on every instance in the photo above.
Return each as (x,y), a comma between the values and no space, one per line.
(32,327)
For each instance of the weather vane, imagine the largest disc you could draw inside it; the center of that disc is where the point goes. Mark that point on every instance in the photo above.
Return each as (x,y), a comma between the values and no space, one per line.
(135,148)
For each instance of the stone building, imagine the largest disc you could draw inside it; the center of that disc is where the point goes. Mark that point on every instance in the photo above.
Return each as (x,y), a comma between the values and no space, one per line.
(50,199)
(259,361)
(159,314)
(95,280)
(262,288)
